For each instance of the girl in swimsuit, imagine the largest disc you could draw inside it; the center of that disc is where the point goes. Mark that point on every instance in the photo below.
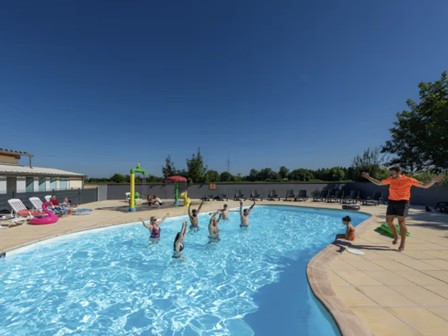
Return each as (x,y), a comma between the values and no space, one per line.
(178,245)
(349,232)
(154,228)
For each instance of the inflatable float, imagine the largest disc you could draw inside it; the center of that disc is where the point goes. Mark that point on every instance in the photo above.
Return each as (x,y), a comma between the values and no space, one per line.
(385,230)
(351,207)
(50,218)
(186,199)
(82,211)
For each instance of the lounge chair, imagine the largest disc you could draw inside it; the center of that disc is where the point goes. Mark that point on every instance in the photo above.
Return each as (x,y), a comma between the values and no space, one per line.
(272,196)
(18,208)
(221,197)
(254,196)
(37,204)
(290,196)
(239,196)
(207,198)
(334,195)
(441,207)
(11,220)
(301,196)
(48,198)
(374,200)
(320,196)
(352,197)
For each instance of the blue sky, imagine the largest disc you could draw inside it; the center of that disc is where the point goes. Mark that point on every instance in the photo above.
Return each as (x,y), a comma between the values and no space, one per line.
(95,86)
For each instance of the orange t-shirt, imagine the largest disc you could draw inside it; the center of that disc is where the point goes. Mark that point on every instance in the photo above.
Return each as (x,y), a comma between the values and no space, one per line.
(400,188)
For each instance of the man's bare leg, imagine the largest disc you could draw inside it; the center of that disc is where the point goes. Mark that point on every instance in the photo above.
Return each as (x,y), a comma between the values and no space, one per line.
(403,231)
(390,223)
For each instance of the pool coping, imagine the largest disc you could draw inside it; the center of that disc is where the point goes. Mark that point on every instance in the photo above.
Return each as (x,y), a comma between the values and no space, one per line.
(318,274)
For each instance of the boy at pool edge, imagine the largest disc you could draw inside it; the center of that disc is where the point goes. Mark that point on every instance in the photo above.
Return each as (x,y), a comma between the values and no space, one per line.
(349,231)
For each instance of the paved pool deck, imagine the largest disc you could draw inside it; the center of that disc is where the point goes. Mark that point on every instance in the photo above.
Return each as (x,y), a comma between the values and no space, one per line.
(383,292)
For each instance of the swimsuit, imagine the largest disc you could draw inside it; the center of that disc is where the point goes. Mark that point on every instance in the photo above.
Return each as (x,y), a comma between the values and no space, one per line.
(155,233)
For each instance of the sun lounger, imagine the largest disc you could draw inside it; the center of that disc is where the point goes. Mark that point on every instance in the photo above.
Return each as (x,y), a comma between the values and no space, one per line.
(320,196)
(441,207)
(352,197)
(301,196)
(273,196)
(374,200)
(221,197)
(18,208)
(254,196)
(239,196)
(290,196)
(334,195)
(37,204)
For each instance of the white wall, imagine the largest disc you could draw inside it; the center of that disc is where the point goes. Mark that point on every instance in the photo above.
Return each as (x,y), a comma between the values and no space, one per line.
(47,184)
(2,184)
(21,184)
(75,183)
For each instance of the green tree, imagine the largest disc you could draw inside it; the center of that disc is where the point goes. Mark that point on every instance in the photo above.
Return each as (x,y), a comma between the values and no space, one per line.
(253,175)
(118,178)
(419,138)
(267,174)
(168,169)
(370,161)
(283,172)
(301,174)
(336,174)
(196,168)
(226,177)
(211,176)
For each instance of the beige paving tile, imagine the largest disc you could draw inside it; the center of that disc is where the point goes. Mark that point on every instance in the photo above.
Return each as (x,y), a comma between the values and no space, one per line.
(440,290)
(342,266)
(336,280)
(388,277)
(391,264)
(419,265)
(422,320)
(420,278)
(421,255)
(441,275)
(362,264)
(353,297)
(385,296)
(440,312)
(443,264)
(442,254)
(357,278)
(383,323)
(420,295)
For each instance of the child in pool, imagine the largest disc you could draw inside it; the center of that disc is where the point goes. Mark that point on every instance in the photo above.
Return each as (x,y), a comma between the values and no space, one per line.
(350,230)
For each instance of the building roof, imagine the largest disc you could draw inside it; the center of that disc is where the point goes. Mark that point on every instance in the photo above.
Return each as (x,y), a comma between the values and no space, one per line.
(13,152)
(36,171)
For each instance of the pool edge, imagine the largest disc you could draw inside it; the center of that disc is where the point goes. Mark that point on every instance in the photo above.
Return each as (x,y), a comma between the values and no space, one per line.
(317,271)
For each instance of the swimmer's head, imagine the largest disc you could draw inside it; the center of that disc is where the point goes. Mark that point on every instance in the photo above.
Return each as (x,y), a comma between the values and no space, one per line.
(346,220)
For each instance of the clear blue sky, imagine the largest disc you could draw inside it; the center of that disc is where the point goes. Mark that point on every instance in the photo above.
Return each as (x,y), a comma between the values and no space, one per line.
(95,86)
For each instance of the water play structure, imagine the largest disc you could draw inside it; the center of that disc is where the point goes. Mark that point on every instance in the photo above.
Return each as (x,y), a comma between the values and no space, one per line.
(176,179)
(132,203)
(50,218)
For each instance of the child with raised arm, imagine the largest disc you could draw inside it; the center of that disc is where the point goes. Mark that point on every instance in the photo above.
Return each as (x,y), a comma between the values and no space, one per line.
(193,215)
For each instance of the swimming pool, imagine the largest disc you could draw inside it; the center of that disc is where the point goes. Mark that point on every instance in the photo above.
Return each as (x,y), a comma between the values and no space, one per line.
(113,282)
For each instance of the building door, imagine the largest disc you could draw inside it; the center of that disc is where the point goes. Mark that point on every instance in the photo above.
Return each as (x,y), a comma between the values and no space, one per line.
(11,185)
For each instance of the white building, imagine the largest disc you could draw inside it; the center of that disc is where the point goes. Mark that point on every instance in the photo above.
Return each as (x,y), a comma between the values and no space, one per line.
(19,179)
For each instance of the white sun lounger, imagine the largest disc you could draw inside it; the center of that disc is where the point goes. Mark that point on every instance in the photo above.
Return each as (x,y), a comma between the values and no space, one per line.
(17,205)
(48,198)
(36,202)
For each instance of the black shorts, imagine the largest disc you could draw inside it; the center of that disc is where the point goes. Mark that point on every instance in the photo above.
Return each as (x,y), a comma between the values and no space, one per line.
(397,208)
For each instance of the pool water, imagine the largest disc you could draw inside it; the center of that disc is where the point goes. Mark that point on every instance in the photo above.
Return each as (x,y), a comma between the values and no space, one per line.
(114,282)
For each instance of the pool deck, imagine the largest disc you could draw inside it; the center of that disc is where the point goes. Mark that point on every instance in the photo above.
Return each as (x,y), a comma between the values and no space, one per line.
(383,292)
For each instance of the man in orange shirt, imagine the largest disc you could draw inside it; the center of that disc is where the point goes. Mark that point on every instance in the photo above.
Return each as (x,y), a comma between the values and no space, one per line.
(399,196)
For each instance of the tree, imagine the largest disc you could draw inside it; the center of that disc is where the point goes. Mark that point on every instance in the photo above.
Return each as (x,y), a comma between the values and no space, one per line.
(336,174)
(196,168)
(253,175)
(169,169)
(301,174)
(226,177)
(419,138)
(118,178)
(283,172)
(211,176)
(370,161)
(267,174)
